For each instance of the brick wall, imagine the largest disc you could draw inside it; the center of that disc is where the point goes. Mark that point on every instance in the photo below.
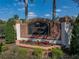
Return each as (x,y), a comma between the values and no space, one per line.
(24,30)
(55,29)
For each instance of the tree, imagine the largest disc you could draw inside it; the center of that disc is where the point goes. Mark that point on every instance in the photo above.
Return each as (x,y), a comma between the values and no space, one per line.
(10,35)
(13,19)
(16,17)
(32,1)
(74,47)
(2,22)
(76,1)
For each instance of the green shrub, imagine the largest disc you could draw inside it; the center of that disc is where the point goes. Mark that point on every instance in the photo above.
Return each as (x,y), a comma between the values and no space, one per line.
(74,45)
(1,44)
(22,51)
(4,48)
(9,33)
(56,53)
(75,57)
(37,53)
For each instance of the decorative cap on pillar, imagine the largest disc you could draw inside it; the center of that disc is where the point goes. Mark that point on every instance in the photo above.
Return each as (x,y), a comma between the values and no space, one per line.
(18,21)
(65,19)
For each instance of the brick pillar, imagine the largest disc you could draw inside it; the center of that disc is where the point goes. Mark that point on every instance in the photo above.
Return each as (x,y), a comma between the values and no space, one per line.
(24,30)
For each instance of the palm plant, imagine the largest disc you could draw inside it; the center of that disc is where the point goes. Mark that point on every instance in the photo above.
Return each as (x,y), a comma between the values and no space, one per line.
(26,6)
(32,1)
(53,10)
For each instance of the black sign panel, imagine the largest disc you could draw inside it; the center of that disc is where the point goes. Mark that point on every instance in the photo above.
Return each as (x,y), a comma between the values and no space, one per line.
(38,28)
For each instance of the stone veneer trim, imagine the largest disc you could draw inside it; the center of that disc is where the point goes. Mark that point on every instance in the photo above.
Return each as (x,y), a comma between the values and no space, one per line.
(18,31)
